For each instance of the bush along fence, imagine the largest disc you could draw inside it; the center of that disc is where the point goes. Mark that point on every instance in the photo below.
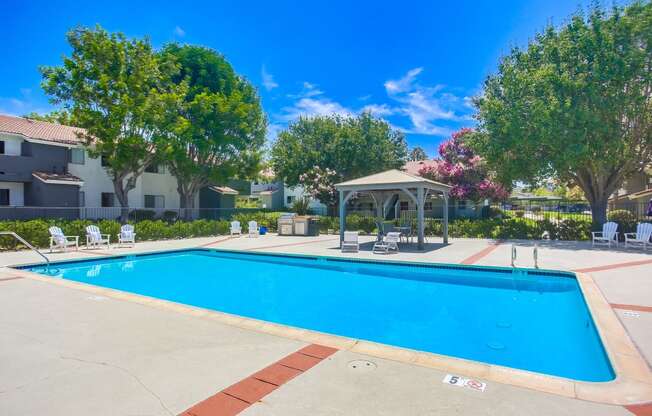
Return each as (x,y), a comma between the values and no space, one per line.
(480,222)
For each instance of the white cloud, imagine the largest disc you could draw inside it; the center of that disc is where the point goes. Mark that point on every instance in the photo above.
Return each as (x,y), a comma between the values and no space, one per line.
(26,103)
(179,31)
(364,97)
(425,106)
(395,86)
(268,79)
(378,110)
(309,107)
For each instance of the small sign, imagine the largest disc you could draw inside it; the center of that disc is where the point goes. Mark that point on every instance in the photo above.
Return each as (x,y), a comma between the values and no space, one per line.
(632,314)
(97,298)
(470,383)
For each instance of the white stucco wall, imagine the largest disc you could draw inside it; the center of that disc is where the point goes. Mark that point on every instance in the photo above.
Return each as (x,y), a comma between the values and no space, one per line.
(298,192)
(96,180)
(16,193)
(12,144)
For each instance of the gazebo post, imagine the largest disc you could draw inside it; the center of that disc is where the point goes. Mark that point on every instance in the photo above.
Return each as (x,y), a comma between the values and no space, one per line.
(342,217)
(445,227)
(420,204)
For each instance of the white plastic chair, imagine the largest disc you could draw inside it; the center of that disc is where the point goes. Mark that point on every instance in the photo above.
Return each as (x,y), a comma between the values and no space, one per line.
(94,238)
(390,242)
(641,236)
(608,235)
(235,228)
(60,241)
(253,229)
(350,243)
(127,235)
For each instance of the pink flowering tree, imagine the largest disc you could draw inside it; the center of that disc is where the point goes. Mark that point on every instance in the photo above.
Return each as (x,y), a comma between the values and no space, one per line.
(465,171)
(319,183)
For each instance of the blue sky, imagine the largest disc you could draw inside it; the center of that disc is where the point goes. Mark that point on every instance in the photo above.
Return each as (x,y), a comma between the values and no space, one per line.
(416,64)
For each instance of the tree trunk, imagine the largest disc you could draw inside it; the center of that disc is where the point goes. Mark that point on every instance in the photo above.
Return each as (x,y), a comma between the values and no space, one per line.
(599,210)
(187,201)
(123,199)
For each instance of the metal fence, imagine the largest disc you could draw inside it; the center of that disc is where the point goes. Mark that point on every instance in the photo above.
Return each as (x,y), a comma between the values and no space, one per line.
(534,210)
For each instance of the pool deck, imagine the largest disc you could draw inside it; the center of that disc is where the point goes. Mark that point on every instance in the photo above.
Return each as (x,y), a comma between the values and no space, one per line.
(66,350)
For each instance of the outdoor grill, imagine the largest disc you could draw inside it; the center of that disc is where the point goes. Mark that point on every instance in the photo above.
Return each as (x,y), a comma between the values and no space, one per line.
(291,224)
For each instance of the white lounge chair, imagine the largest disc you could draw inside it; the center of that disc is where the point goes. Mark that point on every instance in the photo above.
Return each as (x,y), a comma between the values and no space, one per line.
(127,235)
(389,242)
(253,229)
(94,238)
(350,243)
(235,228)
(608,235)
(60,241)
(642,235)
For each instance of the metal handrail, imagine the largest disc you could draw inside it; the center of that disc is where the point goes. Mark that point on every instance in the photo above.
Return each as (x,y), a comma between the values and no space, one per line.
(22,240)
(513,254)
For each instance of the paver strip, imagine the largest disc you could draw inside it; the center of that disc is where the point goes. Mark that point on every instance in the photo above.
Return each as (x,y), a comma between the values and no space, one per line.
(613,266)
(481,254)
(641,409)
(239,396)
(291,244)
(637,308)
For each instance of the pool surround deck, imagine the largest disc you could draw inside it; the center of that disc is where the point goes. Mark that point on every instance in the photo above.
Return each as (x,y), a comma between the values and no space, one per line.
(632,385)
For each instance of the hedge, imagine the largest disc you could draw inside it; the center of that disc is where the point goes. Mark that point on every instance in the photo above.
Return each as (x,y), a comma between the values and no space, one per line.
(36,231)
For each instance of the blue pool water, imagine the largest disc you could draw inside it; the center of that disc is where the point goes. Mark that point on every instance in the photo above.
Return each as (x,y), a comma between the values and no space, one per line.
(523,319)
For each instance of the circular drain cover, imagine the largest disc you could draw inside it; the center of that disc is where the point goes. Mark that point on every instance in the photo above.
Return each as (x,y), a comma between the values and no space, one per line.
(361,365)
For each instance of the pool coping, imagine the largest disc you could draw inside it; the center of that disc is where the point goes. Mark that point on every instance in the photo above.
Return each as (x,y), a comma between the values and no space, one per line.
(632,385)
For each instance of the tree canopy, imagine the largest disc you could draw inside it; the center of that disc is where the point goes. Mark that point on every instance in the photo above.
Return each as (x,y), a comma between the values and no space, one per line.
(217,126)
(57,116)
(575,105)
(113,87)
(334,149)
(417,153)
(465,171)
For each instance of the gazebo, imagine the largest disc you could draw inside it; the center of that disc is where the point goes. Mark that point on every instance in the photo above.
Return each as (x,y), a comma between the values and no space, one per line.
(384,185)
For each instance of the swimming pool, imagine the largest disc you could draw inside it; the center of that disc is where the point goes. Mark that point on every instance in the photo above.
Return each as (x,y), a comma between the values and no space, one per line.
(525,319)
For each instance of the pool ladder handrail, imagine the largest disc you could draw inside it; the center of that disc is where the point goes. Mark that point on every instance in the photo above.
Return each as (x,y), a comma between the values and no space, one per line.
(31,247)
(535,255)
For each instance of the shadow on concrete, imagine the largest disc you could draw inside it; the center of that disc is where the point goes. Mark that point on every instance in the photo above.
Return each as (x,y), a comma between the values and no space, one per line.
(403,247)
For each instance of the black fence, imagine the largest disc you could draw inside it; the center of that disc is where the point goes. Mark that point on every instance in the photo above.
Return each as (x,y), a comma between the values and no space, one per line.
(534,210)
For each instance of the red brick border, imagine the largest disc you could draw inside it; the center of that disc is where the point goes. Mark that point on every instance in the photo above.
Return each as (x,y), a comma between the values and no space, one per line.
(239,396)
(215,242)
(637,308)
(613,266)
(481,254)
(644,409)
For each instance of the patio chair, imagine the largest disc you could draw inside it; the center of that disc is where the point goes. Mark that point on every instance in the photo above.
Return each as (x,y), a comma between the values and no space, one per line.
(94,238)
(253,229)
(608,235)
(127,235)
(350,243)
(390,242)
(642,235)
(235,228)
(60,241)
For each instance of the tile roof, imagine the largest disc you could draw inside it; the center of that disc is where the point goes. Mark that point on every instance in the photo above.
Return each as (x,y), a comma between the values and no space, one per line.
(223,190)
(414,167)
(40,130)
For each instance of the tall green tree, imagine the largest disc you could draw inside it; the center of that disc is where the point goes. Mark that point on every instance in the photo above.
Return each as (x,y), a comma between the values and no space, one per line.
(416,154)
(575,105)
(56,116)
(317,152)
(113,88)
(217,128)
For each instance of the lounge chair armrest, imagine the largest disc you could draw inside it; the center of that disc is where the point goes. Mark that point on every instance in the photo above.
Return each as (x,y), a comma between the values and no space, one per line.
(630,235)
(106,235)
(596,233)
(68,237)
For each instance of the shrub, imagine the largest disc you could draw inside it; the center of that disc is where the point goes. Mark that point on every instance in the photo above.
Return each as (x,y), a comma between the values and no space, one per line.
(142,214)
(301,206)
(625,219)
(170,216)
(519,213)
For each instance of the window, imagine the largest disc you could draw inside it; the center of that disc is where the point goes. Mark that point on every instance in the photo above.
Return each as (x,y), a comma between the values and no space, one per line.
(77,156)
(428,206)
(2,149)
(154,168)
(461,204)
(290,199)
(405,206)
(154,201)
(104,161)
(108,199)
(82,199)
(4,197)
